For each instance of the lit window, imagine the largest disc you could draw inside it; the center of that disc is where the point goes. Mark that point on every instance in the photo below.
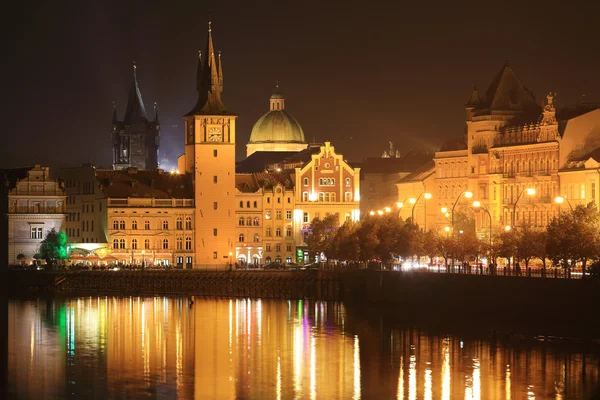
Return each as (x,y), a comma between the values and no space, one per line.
(255,221)
(256,238)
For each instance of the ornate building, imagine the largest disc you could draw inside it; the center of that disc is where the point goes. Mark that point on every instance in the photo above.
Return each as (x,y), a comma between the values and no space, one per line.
(135,139)
(36,205)
(512,144)
(276,130)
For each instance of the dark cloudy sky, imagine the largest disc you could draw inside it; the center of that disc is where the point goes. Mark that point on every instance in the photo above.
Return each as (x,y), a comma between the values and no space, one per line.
(357,73)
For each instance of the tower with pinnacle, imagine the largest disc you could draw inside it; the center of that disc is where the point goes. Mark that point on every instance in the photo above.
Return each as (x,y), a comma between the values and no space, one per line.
(135,139)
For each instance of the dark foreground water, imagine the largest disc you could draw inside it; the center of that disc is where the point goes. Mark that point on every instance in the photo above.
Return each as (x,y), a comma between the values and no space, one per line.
(165,348)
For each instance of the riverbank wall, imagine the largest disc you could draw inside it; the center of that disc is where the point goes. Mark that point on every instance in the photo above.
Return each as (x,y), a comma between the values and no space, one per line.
(563,306)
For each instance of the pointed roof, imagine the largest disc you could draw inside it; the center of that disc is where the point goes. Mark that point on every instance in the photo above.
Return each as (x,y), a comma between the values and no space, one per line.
(135,110)
(474,99)
(156,113)
(209,81)
(507,92)
(115,118)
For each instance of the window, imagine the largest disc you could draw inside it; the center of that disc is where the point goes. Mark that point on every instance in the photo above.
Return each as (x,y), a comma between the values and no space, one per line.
(347,196)
(268,232)
(92,222)
(215,179)
(188,223)
(289,248)
(305,180)
(115,225)
(582,191)
(255,221)
(241,238)
(256,238)
(288,214)
(289,200)
(248,221)
(146,225)
(214,155)
(214,231)
(122,224)
(268,247)
(278,214)
(321,196)
(134,244)
(278,232)
(178,223)
(215,205)
(288,231)
(165,225)
(248,204)
(115,243)
(133,225)
(179,243)
(147,244)
(214,252)
(188,261)
(305,218)
(279,200)
(255,204)
(277,247)
(241,221)
(165,245)
(121,243)
(241,204)
(268,214)
(268,200)
(304,196)
(347,181)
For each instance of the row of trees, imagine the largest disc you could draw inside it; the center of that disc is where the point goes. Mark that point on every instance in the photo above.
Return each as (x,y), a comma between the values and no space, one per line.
(572,238)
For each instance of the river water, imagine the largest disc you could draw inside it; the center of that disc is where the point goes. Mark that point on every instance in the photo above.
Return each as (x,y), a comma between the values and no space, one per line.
(166,348)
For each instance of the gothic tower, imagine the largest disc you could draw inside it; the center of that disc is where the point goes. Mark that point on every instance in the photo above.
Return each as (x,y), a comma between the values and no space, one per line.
(135,139)
(210,157)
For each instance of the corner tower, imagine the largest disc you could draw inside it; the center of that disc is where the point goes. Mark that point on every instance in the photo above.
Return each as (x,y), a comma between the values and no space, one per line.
(210,157)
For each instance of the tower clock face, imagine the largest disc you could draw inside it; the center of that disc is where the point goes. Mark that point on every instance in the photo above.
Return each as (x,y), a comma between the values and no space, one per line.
(214,134)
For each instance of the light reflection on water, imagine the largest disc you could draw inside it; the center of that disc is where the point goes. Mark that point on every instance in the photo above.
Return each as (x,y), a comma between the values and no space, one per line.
(116,348)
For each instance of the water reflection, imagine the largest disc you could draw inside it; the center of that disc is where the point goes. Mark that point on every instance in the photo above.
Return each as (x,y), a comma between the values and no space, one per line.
(113,348)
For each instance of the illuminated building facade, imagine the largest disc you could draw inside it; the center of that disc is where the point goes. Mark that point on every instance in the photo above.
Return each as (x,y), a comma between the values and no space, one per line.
(135,139)
(512,144)
(36,205)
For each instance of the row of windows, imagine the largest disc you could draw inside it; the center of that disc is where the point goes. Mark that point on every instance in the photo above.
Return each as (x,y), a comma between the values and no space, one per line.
(248,221)
(242,238)
(278,214)
(85,226)
(248,204)
(73,216)
(120,244)
(288,232)
(277,248)
(326,181)
(120,224)
(289,200)
(72,232)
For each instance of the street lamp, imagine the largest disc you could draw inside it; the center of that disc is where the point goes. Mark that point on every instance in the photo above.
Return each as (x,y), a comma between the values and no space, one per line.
(561,199)
(230,254)
(379,212)
(427,196)
(387,209)
(478,204)
(401,204)
(371,212)
(530,192)
(468,195)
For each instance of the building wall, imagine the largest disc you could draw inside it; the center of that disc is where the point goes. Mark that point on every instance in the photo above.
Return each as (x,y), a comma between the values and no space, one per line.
(249,229)
(278,232)
(35,206)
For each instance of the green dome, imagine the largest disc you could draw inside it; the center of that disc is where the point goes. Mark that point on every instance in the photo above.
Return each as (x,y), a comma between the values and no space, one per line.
(277,126)
(277,95)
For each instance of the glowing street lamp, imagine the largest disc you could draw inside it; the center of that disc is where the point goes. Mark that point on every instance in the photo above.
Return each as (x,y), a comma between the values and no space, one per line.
(447,229)
(468,195)
(561,199)
(427,196)
(478,204)
(380,212)
(507,228)
(371,212)
(387,209)
(530,192)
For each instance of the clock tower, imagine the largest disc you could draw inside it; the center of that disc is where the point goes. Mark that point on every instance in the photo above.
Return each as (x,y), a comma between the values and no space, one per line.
(210,157)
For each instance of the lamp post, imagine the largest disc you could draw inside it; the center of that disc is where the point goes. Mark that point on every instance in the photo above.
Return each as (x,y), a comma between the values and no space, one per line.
(468,195)
(427,196)
(400,204)
(561,199)
(530,192)
(478,204)
(230,254)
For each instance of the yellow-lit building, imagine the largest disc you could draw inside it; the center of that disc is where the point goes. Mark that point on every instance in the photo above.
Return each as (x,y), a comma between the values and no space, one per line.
(516,158)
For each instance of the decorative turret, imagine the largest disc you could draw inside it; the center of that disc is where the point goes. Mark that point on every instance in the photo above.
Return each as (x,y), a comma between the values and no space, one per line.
(548,116)
(156,113)
(277,101)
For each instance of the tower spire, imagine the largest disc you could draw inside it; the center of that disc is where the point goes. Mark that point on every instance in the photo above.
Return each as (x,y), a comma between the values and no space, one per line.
(199,72)
(115,119)
(135,105)
(156,113)
(220,73)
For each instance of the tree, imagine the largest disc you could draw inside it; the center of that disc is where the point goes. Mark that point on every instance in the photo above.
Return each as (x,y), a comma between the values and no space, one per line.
(54,247)
(507,244)
(345,244)
(538,242)
(525,244)
(322,233)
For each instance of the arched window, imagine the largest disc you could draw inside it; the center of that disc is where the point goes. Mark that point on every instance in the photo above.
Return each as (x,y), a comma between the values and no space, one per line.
(115,224)
(147,244)
(256,238)
(179,243)
(146,225)
(134,224)
(179,223)
(248,204)
(248,221)
(165,244)
(327,197)
(288,231)
(165,225)
(255,221)
(241,221)
(255,204)
(188,223)
(268,232)
(188,243)
(241,238)
(332,197)
(268,260)
(347,181)
(122,224)
(115,243)
(278,232)
(305,181)
(121,243)
(134,244)
(321,196)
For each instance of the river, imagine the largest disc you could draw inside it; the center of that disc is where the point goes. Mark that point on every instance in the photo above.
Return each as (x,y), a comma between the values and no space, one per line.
(170,348)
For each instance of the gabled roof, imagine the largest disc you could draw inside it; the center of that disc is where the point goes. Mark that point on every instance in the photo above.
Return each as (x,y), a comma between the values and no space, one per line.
(251,183)
(507,92)
(420,174)
(145,184)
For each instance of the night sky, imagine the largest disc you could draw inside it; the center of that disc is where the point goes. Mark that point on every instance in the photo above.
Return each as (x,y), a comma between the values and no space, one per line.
(358,74)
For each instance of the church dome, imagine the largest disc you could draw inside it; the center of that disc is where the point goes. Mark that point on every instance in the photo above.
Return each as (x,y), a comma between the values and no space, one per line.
(277,126)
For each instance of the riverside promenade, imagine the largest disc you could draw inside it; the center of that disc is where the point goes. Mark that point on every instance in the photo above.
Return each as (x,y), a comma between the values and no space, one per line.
(566,306)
